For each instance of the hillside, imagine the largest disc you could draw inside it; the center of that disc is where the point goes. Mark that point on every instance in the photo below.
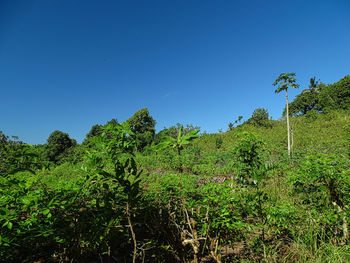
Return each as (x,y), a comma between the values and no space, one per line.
(313,133)
(225,197)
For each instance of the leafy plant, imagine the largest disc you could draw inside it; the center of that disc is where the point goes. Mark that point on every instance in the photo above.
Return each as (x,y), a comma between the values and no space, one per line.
(143,127)
(179,142)
(219,142)
(119,148)
(325,177)
(260,117)
(57,145)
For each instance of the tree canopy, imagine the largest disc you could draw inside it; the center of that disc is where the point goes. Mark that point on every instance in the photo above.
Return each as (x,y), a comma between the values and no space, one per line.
(285,81)
(260,117)
(336,96)
(143,126)
(57,145)
(321,97)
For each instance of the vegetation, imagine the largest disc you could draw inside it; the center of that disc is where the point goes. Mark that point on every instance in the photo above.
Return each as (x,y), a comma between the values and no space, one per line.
(129,194)
(143,127)
(58,145)
(178,143)
(320,97)
(285,81)
(260,117)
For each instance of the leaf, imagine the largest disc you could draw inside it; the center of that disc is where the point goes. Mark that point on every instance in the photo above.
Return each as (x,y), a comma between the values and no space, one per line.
(179,136)
(46,211)
(165,142)
(7,212)
(192,135)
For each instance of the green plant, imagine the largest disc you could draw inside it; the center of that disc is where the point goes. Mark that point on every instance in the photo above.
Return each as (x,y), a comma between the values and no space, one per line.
(285,81)
(260,117)
(143,127)
(119,149)
(307,100)
(252,172)
(335,96)
(179,142)
(219,142)
(57,145)
(202,217)
(323,180)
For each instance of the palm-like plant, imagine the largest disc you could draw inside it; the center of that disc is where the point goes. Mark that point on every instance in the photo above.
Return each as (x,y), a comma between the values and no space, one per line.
(285,81)
(313,84)
(179,142)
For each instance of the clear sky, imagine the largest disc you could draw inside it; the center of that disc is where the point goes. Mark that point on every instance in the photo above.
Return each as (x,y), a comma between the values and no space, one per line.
(66,65)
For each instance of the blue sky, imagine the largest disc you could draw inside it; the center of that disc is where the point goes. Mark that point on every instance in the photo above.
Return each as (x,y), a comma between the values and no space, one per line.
(66,65)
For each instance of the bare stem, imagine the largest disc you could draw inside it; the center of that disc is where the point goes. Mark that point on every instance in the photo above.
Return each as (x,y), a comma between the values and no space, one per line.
(132,231)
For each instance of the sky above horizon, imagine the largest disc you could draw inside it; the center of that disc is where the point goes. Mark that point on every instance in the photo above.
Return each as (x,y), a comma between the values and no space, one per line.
(67,65)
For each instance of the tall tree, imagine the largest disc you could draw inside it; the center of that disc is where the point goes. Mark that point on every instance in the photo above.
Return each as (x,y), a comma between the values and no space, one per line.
(143,126)
(285,81)
(313,84)
(57,145)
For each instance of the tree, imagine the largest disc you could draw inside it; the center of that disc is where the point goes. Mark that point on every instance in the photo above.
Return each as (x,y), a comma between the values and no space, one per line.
(335,96)
(3,139)
(16,156)
(57,145)
(113,122)
(285,81)
(143,126)
(3,153)
(307,100)
(313,84)
(95,131)
(260,117)
(321,97)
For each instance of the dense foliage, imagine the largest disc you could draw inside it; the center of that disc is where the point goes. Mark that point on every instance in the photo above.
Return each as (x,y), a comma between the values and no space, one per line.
(143,126)
(260,117)
(322,98)
(58,145)
(128,194)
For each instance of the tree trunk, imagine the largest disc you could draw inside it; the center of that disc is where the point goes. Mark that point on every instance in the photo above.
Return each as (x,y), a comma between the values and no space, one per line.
(292,138)
(288,130)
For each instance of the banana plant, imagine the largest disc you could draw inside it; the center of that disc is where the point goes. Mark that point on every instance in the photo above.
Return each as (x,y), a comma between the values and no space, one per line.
(179,142)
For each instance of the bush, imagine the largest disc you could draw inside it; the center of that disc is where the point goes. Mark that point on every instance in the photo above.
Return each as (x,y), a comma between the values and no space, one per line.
(260,117)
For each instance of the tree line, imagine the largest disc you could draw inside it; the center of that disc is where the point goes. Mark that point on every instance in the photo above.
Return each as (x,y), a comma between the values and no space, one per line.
(59,148)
